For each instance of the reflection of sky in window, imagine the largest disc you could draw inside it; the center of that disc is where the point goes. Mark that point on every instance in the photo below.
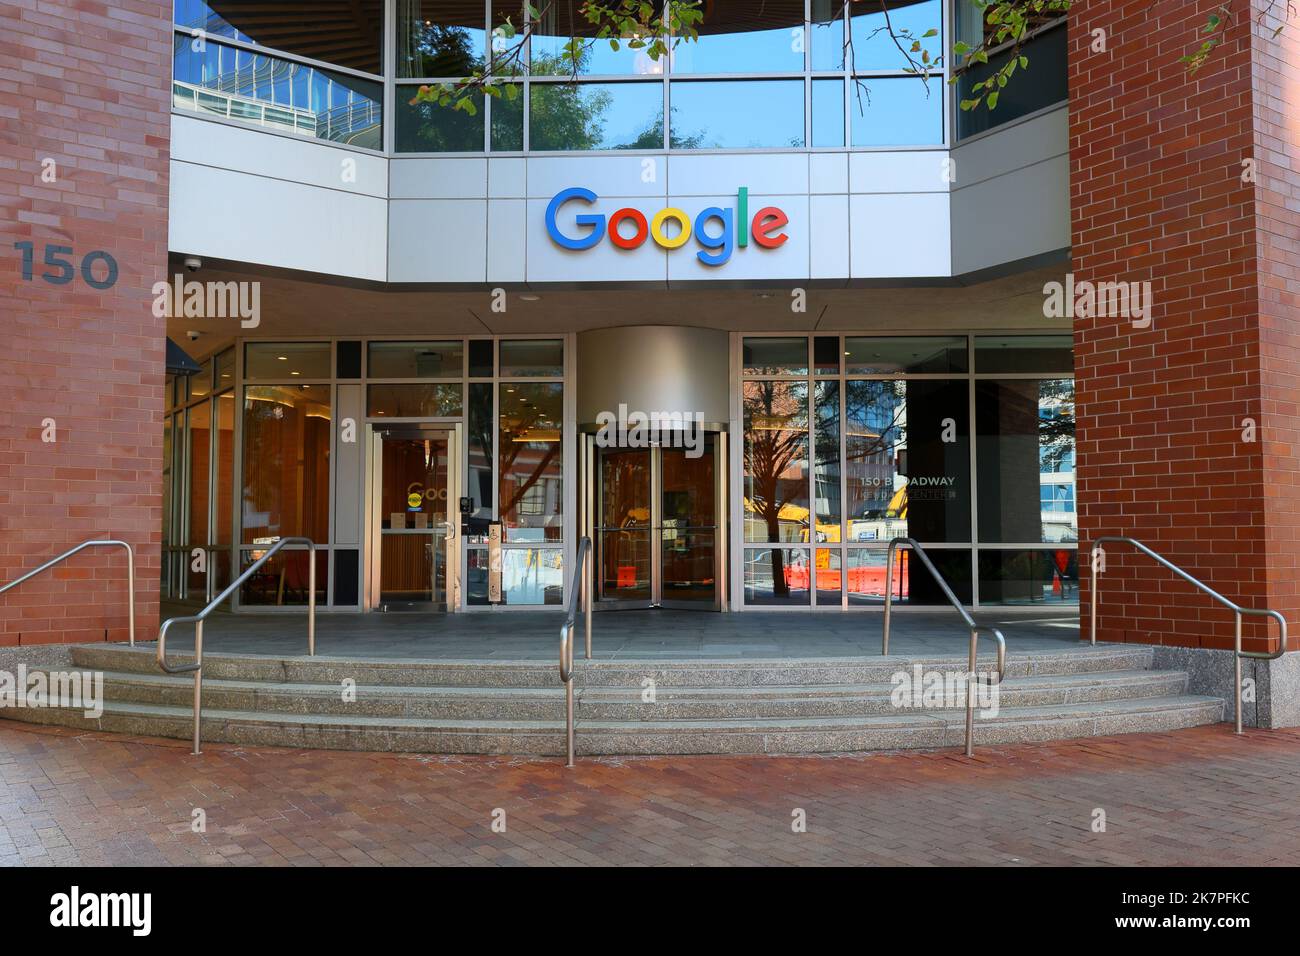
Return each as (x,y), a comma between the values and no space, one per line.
(877,51)
(828,113)
(778,50)
(827,39)
(550,57)
(896,112)
(607,116)
(737,114)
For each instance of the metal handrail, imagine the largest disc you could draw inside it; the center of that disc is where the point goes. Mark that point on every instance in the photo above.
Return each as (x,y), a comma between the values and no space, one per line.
(975,629)
(579,595)
(1237,610)
(197,620)
(105,543)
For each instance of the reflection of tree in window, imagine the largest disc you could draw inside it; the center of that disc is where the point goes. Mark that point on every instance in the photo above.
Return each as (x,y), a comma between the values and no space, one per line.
(1056,425)
(530,449)
(776,458)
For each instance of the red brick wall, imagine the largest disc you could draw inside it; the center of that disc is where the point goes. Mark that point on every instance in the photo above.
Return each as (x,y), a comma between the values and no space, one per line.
(83,83)
(1157,194)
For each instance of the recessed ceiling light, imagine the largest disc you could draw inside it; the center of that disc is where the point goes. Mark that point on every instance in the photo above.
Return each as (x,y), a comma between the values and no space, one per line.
(529,297)
(283,358)
(765,295)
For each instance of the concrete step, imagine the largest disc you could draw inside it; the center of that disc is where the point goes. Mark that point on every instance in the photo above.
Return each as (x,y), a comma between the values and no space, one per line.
(602,673)
(898,730)
(610,703)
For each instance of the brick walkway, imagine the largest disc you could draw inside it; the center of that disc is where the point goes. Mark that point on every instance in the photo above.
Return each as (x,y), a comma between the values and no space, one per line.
(1191,797)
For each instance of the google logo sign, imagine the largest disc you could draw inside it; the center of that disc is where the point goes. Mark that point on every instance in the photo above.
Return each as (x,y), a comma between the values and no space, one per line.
(628,228)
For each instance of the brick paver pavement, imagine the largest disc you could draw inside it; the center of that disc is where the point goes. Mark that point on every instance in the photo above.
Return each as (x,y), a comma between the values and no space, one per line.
(1192,797)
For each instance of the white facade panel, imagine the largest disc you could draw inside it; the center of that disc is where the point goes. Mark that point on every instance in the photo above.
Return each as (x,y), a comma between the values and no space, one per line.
(604,262)
(721,175)
(604,175)
(787,261)
(828,237)
(438,179)
(922,171)
(507,240)
(246,218)
(437,240)
(507,178)
(828,173)
(900,236)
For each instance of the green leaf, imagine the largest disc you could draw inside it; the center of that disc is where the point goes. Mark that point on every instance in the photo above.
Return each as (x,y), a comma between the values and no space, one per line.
(993,100)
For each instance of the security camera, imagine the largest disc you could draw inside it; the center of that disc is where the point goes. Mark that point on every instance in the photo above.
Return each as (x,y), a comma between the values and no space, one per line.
(193,336)
(193,263)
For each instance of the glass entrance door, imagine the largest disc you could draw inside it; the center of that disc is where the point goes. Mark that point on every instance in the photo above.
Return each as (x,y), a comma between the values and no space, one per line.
(656,527)
(415,521)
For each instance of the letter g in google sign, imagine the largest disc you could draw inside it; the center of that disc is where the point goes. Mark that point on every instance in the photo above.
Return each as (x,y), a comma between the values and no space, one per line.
(720,231)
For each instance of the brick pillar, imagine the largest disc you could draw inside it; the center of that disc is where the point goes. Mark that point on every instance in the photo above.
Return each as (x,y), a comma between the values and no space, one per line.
(84,100)
(1164,413)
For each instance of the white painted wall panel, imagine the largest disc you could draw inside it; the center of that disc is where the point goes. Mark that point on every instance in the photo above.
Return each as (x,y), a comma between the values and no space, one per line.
(721,175)
(438,179)
(829,237)
(437,240)
(900,236)
(507,240)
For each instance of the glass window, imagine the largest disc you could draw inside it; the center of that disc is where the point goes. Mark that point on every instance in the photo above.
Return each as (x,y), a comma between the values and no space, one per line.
(431,128)
(776,576)
(873,47)
(1042,84)
(286,463)
(828,113)
(826,404)
(896,111)
(508,121)
(281,95)
(532,358)
(935,354)
(531,451)
(1029,577)
(581,116)
(775,356)
(481,363)
(562,21)
(1025,460)
(442,400)
(226,368)
(349,35)
(829,577)
(776,461)
(532,576)
(417,359)
(283,580)
(740,36)
(481,444)
(826,355)
(225,471)
(201,381)
(827,18)
(199,449)
(737,114)
(1024,353)
(440,39)
(286,360)
(908,460)
(866,576)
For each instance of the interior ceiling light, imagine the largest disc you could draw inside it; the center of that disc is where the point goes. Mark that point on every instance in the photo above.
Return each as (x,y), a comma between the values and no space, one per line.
(530,297)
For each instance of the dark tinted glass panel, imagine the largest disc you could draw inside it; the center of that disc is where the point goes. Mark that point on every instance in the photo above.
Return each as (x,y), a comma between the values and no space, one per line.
(552,54)
(777,576)
(827,113)
(283,96)
(776,461)
(414,401)
(775,356)
(896,111)
(417,359)
(1024,353)
(440,38)
(343,32)
(201,381)
(908,460)
(939,355)
(737,114)
(476,582)
(532,358)
(480,358)
(530,491)
(431,128)
(581,116)
(348,359)
(508,121)
(741,36)
(345,578)
(1040,85)
(226,368)
(481,444)
(1025,457)
(1029,577)
(826,354)
(875,49)
(912,581)
(286,463)
(287,360)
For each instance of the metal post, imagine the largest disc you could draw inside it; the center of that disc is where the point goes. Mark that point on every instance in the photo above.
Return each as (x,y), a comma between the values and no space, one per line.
(568,701)
(130,593)
(889,595)
(311,602)
(970,697)
(198,683)
(1092,597)
(1236,669)
(588,587)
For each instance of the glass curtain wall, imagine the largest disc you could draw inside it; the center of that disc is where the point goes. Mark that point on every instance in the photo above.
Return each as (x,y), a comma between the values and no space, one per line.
(852,441)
